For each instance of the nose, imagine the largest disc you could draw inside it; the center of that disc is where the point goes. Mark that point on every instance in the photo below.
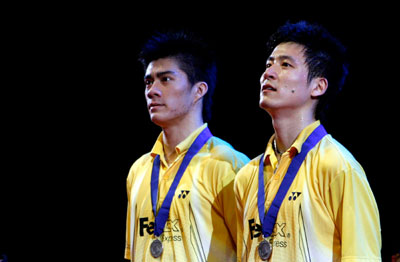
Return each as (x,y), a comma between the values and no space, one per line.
(153,90)
(269,73)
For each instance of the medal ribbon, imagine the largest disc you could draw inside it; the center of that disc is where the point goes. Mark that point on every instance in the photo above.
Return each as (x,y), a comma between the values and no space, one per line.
(268,220)
(162,215)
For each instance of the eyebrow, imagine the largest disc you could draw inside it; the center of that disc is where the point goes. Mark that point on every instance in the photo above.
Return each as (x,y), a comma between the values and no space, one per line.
(282,57)
(160,74)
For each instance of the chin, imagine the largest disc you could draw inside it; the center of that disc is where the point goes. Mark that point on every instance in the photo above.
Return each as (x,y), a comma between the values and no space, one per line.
(263,104)
(268,107)
(159,121)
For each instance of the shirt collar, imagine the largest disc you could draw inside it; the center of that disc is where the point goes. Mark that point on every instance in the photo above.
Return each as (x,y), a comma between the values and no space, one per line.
(188,141)
(182,147)
(302,137)
(296,146)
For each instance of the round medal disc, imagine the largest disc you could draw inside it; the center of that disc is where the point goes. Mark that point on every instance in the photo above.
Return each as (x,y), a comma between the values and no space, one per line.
(264,250)
(156,248)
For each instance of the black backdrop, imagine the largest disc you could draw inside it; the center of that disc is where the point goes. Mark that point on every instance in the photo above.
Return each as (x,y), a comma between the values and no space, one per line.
(74,114)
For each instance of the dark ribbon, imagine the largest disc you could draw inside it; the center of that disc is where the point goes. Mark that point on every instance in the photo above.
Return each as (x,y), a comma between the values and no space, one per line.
(162,215)
(268,220)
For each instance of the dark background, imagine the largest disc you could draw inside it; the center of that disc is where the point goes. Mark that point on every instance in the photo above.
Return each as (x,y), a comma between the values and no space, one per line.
(74,117)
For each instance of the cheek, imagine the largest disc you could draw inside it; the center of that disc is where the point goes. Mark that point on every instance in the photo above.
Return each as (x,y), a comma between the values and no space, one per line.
(180,102)
(296,83)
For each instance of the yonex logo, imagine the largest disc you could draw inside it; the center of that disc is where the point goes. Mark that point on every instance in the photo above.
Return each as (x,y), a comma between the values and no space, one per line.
(183,194)
(294,196)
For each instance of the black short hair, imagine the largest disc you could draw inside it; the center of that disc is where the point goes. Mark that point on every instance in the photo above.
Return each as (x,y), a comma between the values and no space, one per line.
(194,56)
(325,56)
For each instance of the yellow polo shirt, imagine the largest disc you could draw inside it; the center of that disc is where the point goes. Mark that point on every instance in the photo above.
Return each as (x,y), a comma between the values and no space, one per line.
(329,212)
(202,224)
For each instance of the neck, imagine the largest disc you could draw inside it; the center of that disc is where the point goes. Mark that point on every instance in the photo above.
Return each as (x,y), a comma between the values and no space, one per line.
(174,134)
(287,128)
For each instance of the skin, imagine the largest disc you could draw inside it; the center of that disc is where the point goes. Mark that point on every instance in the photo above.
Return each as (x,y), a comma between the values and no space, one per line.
(287,95)
(173,103)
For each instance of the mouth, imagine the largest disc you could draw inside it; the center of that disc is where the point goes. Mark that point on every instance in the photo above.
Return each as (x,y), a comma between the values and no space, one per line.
(267,87)
(154,105)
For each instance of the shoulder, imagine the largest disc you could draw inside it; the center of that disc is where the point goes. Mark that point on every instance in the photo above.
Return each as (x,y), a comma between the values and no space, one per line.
(333,158)
(222,152)
(141,161)
(140,164)
(247,178)
(249,172)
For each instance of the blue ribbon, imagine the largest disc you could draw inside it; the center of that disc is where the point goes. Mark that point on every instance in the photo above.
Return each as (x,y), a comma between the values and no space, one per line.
(268,220)
(162,215)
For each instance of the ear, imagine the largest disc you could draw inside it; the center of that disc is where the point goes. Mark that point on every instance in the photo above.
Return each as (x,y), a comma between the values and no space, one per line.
(200,89)
(319,86)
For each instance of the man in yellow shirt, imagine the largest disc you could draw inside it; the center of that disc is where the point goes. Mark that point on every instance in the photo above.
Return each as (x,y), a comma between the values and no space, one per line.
(306,198)
(180,195)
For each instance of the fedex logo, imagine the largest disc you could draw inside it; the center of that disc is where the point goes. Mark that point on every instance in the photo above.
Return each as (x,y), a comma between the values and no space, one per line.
(145,226)
(256,229)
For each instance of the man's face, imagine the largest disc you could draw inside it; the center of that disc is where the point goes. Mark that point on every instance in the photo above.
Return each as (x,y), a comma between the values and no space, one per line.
(168,92)
(284,83)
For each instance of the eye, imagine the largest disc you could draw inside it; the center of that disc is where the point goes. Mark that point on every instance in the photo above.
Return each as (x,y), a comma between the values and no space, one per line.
(166,79)
(148,82)
(268,65)
(286,64)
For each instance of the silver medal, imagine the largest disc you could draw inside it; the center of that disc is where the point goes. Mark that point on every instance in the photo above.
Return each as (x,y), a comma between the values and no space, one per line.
(264,250)
(156,248)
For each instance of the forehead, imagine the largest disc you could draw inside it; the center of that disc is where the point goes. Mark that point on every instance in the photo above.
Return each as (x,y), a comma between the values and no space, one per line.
(163,65)
(289,49)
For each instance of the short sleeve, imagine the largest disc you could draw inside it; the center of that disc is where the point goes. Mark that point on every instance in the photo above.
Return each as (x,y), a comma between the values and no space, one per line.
(356,216)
